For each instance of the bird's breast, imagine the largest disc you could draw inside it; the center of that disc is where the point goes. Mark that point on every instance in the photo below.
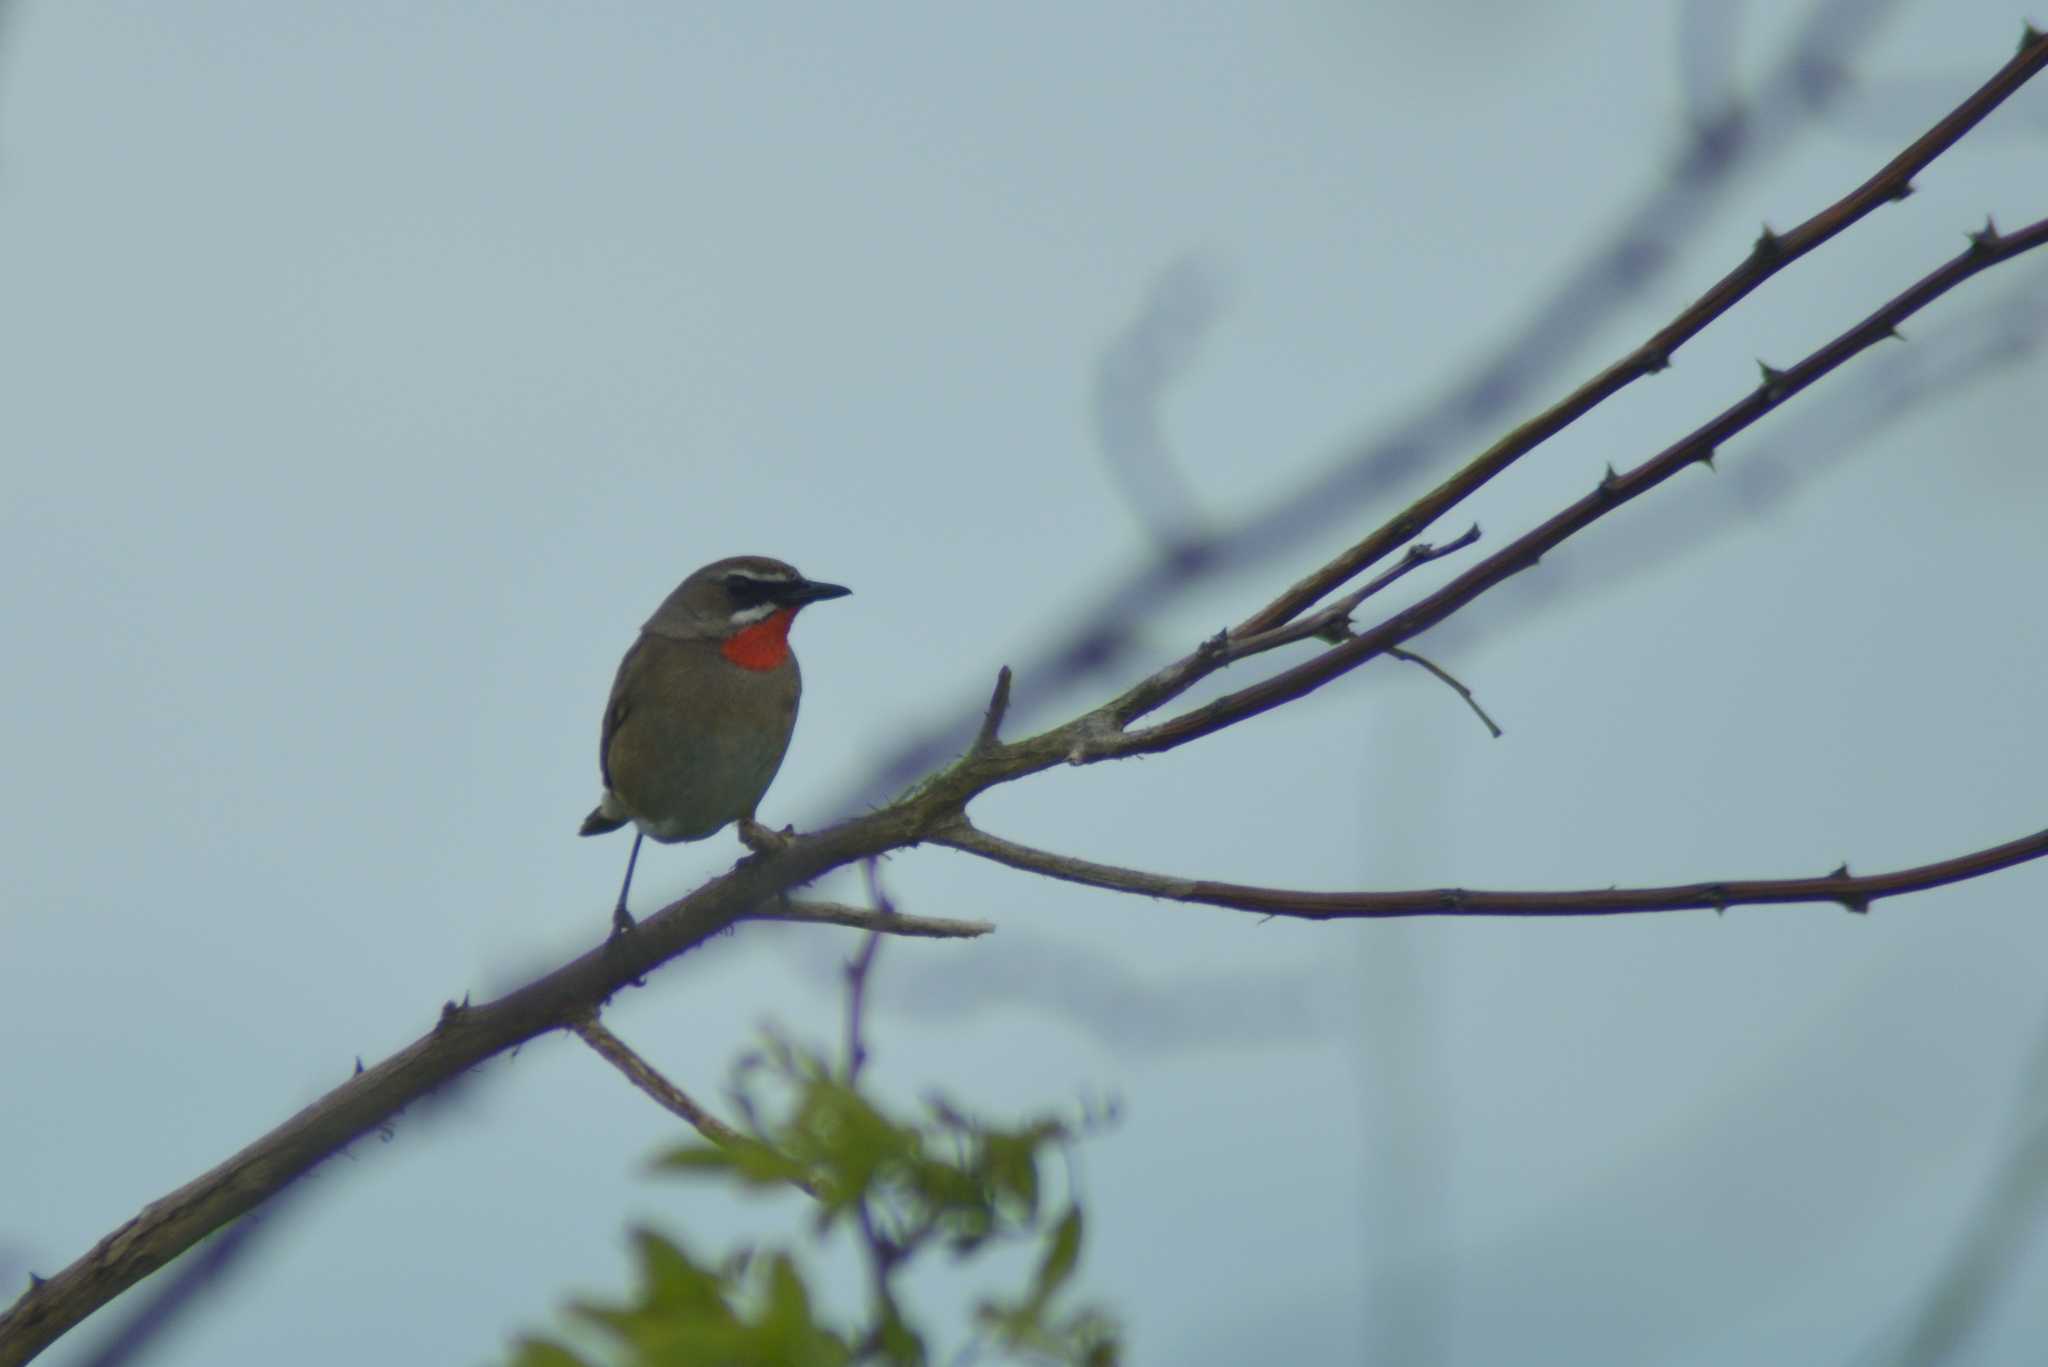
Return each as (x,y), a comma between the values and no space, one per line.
(764,645)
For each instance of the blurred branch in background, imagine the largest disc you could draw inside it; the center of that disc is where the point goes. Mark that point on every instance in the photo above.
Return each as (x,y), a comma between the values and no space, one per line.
(1129,396)
(196,1278)
(1709,36)
(2009,1216)
(1805,82)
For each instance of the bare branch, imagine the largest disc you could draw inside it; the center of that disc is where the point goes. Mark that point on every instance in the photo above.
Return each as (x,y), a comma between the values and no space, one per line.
(1456,687)
(1839,887)
(862,918)
(1612,491)
(1771,254)
(1803,82)
(462,1038)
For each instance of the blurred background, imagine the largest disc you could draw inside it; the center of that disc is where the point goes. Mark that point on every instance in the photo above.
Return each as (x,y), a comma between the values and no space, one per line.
(372,370)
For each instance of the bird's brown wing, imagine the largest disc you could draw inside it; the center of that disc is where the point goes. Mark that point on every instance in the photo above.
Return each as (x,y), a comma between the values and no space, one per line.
(635,663)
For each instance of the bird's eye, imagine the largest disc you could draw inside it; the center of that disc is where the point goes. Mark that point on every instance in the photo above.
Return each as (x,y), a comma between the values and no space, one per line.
(746,591)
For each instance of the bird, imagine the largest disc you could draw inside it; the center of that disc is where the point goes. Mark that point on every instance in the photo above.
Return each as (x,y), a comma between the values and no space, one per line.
(702,708)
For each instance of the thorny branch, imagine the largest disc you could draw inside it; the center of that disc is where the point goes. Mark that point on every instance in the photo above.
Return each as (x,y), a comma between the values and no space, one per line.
(1987,248)
(1771,253)
(1840,887)
(1805,81)
(934,810)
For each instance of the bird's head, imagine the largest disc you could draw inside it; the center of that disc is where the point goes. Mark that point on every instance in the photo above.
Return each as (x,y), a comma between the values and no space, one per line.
(746,603)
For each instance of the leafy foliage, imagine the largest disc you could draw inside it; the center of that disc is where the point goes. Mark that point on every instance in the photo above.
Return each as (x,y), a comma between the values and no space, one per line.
(901,1186)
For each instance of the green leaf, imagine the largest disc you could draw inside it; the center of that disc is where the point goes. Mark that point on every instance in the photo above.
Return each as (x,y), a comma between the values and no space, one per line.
(1013,1168)
(533,1352)
(1062,1253)
(749,1160)
(695,1158)
(789,1303)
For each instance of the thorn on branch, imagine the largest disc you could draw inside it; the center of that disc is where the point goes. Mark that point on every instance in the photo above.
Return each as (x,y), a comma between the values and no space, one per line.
(1706,458)
(1891,331)
(1904,191)
(1769,246)
(1985,238)
(1609,482)
(1654,359)
(992,721)
(2029,35)
(1852,901)
(359,1066)
(1773,381)
(1213,646)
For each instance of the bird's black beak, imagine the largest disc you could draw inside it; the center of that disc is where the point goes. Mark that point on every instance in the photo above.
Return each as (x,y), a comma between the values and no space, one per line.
(803,591)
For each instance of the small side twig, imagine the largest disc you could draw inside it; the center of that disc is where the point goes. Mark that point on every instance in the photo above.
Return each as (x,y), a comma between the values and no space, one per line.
(863,918)
(649,1079)
(1412,658)
(992,721)
(1332,622)
(863,963)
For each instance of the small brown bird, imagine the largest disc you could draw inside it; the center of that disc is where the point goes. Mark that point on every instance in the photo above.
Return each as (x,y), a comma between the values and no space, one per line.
(703,706)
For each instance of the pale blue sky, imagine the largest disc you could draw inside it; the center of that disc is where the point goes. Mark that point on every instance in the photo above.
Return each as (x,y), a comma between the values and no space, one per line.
(373,369)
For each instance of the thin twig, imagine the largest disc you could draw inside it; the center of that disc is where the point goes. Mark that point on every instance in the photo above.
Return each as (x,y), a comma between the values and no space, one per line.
(1839,887)
(666,1094)
(1444,674)
(882,1253)
(1330,619)
(864,918)
(863,964)
(650,1080)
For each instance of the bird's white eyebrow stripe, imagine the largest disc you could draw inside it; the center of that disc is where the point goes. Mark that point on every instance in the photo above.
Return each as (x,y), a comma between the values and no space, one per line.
(760,612)
(766,574)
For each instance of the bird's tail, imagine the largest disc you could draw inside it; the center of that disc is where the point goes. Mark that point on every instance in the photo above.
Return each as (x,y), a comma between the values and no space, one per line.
(598,822)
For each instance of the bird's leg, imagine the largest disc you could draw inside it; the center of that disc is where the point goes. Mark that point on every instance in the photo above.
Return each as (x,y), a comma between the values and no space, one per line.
(622,920)
(763,841)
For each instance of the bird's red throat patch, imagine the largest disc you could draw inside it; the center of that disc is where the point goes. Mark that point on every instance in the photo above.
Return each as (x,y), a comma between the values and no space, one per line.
(762,645)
